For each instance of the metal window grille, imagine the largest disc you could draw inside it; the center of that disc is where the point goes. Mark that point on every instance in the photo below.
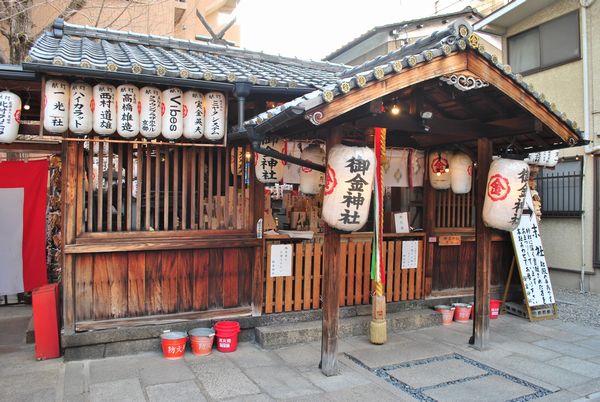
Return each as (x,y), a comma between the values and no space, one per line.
(560,189)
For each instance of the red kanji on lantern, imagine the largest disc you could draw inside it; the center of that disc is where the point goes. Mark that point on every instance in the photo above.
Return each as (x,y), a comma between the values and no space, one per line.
(439,165)
(306,170)
(330,180)
(470,170)
(498,187)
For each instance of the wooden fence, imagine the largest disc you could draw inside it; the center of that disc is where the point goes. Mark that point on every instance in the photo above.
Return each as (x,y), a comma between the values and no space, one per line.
(302,290)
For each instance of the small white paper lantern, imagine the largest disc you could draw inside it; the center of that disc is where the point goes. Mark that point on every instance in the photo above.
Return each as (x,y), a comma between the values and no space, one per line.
(56,106)
(312,180)
(172,113)
(80,108)
(533,158)
(214,116)
(150,116)
(461,173)
(505,194)
(193,115)
(105,109)
(10,116)
(269,170)
(348,187)
(553,159)
(544,158)
(439,169)
(128,111)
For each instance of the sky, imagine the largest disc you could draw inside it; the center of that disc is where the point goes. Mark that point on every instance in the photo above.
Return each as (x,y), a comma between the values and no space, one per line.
(311,29)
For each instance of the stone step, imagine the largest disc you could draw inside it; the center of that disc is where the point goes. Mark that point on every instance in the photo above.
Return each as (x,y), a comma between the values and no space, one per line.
(276,336)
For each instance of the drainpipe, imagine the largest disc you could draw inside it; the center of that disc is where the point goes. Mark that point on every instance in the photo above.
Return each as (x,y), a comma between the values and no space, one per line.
(241,90)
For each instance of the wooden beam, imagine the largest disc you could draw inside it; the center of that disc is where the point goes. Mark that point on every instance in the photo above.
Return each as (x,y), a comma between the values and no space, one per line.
(33,147)
(70,172)
(483,270)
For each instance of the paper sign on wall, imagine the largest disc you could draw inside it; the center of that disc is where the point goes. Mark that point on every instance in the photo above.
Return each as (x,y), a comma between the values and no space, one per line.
(410,254)
(281,260)
(401,222)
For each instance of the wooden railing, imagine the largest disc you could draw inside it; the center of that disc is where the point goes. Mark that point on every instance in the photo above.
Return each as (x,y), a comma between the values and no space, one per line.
(302,290)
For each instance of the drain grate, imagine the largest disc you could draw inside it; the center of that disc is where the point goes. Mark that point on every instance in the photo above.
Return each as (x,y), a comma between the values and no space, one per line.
(386,373)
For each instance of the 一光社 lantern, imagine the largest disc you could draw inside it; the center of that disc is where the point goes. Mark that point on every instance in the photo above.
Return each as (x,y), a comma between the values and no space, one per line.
(505,194)
(348,187)
(193,115)
(128,113)
(150,117)
(269,170)
(312,180)
(10,116)
(80,108)
(172,113)
(439,169)
(56,106)
(214,115)
(104,109)
(461,173)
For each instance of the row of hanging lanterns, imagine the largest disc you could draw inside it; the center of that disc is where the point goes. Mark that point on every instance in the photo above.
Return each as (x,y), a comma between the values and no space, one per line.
(544,159)
(449,170)
(129,111)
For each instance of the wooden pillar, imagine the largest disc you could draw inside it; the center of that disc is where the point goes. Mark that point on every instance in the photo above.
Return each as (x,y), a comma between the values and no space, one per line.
(69,196)
(481,317)
(330,293)
(258,194)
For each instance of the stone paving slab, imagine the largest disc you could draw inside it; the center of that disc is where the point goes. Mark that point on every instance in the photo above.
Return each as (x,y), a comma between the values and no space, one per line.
(347,378)
(534,352)
(435,373)
(491,389)
(250,355)
(117,391)
(577,366)
(160,371)
(568,348)
(374,356)
(223,381)
(117,368)
(282,382)
(186,391)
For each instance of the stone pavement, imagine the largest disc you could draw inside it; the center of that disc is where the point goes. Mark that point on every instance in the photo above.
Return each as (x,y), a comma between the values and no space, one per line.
(545,361)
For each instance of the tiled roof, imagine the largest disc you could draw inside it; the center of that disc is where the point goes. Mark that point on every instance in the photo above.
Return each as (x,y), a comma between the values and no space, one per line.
(69,45)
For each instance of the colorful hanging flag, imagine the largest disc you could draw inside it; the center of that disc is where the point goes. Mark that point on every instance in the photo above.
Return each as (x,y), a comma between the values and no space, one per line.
(377,268)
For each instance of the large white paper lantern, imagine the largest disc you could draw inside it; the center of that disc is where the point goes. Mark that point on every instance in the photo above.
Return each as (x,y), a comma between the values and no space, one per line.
(128,111)
(150,116)
(80,108)
(56,106)
(312,180)
(214,116)
(10,116)
(105,109)
(439,169)
(172,113)
(193,115)
(461,173)
(348,187)
(268,169)
(505,194)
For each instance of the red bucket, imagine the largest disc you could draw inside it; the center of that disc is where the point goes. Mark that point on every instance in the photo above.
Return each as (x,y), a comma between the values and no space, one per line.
(201,340)
(173,345)
(227,335)
(447,313)
(494,308)
(462,313)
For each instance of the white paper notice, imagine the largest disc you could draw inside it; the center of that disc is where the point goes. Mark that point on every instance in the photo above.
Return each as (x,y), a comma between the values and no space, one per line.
(410,254)
(401,222)
(281,260)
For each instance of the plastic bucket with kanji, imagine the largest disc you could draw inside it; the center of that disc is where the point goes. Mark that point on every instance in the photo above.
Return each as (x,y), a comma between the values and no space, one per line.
(201,340)
(227,335)
(173,344)
(447,313)
(494,308)
(462,312)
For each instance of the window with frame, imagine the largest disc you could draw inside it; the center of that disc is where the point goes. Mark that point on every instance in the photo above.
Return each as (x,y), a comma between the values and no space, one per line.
(560,188)
(550,44)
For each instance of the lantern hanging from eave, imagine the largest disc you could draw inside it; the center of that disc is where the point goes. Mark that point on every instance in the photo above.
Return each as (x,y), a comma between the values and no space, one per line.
(172,113)
(80,108)
(150,117)
(193,115)
(56,106)
(416,161)
(105,109)
(128,111)
(544,158)
(10,116)
(269,170)
(312,180)
(461,173)
(505,194)
(214,116)
(348,187)
(439,169)
(553,158)
(533,158)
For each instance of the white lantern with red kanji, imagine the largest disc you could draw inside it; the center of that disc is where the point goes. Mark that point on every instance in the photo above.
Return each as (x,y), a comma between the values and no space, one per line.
(150,117)
(56,106)
(172,113)
(10,116)
(104,109)
(214,116)
(128,111)
(439,169)
(348,187)
(80,108)
(269,170)
(193,115)
(505,194)
(461,173)
(312,180)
